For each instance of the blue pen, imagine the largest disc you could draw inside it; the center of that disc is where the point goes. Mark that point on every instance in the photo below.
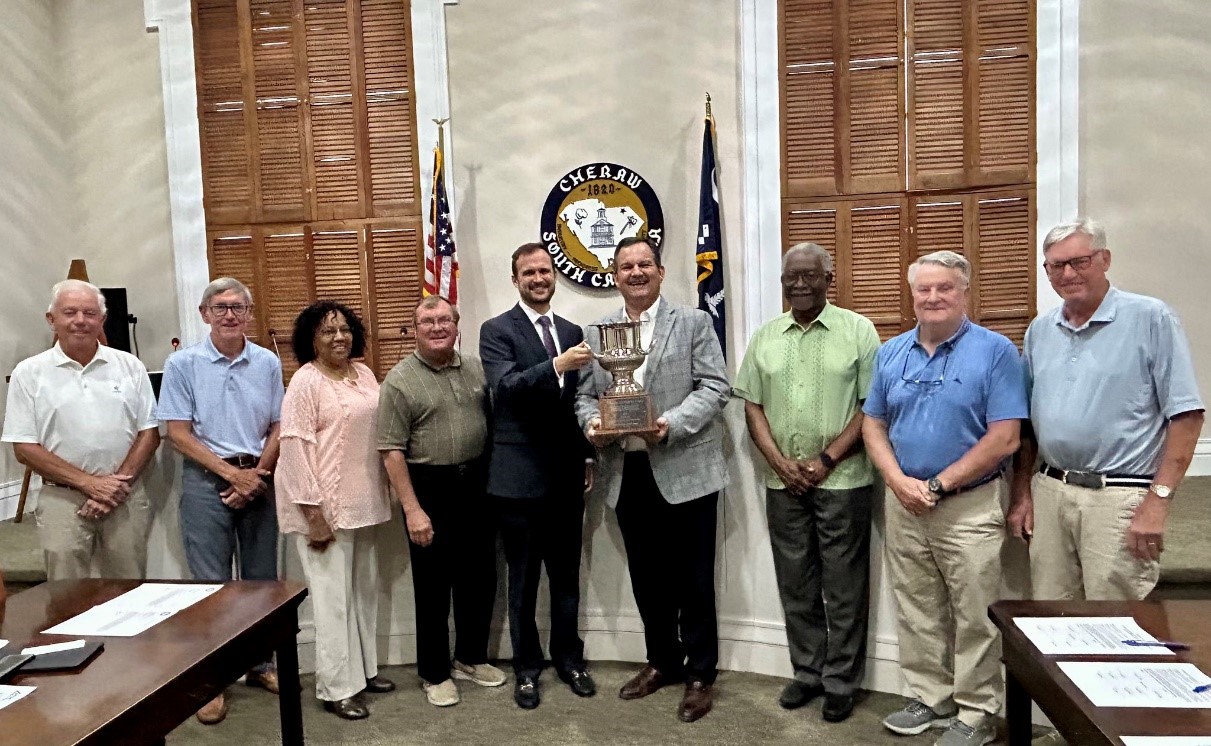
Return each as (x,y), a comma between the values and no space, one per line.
(1158,644)
(1202,688)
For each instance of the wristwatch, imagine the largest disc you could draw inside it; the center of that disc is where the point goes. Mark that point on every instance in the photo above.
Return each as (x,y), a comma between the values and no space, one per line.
(935,486)
(1162,491)
(828,461)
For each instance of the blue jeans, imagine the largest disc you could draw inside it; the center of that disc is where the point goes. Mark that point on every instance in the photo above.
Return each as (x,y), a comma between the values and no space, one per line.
(213,533)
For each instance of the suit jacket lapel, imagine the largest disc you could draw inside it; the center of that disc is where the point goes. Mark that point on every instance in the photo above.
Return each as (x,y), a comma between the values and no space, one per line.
(528,334)
(661,331)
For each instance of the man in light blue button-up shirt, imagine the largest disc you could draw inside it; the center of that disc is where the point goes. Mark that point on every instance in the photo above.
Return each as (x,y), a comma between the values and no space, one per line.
(221,399)
(1116,415)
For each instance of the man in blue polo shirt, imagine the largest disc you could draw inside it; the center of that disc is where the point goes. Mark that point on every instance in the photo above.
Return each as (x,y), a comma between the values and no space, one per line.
(221,399)
(943,413)
(1116,412)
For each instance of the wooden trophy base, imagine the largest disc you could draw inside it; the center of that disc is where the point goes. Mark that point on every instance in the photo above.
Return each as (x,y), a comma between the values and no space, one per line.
(627,414)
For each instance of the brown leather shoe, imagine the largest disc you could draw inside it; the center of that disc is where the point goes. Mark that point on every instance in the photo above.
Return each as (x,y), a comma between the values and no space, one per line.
(647,681)
(696,702)
(213,711)
(267,680)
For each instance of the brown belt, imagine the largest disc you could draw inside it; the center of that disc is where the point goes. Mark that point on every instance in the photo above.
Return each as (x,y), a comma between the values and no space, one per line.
(48,483)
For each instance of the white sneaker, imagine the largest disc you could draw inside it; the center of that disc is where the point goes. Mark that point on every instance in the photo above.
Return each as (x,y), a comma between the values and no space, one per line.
(444,694)
(484,674)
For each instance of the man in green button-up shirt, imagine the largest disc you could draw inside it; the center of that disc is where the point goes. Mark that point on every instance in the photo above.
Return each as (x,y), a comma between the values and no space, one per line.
(803,380)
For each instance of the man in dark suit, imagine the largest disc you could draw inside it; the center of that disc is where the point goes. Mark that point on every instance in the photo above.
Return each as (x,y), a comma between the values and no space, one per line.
(540,468)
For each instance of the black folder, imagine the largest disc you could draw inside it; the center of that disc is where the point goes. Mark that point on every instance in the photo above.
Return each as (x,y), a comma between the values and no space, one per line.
(61,660)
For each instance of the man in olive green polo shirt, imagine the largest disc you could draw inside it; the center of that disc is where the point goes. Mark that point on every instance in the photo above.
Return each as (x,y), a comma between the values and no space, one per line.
(803,380)
(432,427)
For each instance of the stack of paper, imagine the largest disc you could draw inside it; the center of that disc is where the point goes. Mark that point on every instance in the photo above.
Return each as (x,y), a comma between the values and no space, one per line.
(135,611)
(1097,635)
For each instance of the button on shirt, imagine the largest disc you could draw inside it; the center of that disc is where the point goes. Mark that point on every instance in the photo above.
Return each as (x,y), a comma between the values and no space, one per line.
(809,382)
(1101,394)
(436,416)
(87,415)
(231,404)
(534,316)
(937,408)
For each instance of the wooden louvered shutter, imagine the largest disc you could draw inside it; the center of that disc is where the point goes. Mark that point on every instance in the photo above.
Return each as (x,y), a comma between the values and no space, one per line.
(908,128)
(226,155)
(970,93)
(864,238)
(309,151)
(995,231)
(843,112)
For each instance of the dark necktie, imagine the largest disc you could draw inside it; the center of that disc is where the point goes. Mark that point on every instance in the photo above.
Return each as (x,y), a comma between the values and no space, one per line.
(547,340)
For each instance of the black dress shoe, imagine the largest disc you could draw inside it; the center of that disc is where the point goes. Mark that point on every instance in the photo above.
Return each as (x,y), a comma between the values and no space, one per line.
(379,685)
(525,692)
(580,681)
(838,707)
(349,709)
(796,694)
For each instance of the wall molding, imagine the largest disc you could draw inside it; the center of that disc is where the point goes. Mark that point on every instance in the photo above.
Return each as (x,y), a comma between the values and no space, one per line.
(172,21)
(1201,465)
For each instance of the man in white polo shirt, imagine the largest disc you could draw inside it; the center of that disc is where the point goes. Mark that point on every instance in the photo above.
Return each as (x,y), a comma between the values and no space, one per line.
(81,415)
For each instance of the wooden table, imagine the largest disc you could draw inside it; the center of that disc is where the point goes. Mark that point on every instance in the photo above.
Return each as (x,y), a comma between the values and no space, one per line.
(1031,675)
(140,688)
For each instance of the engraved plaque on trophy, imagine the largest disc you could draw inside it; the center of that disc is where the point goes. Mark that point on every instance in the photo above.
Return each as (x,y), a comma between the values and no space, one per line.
(626,409)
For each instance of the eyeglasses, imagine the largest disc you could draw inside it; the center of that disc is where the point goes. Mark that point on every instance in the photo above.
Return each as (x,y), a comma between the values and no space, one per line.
(332,331)
(430,323)
(810,277)
(239,310)
(1078,263)
(928,382)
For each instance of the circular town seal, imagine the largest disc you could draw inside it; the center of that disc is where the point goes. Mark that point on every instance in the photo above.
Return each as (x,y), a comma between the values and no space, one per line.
(589,211)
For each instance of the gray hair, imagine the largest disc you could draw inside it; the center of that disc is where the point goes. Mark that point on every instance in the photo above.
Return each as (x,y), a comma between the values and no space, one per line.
(223,285)
(1080,226)
(948,259)
(65,286)
(811,250)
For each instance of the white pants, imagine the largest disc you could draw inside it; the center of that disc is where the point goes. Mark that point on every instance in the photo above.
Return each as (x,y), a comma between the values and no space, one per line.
(343,583)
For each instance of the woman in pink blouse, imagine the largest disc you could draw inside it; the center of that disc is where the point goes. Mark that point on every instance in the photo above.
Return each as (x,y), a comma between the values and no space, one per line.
(330,494)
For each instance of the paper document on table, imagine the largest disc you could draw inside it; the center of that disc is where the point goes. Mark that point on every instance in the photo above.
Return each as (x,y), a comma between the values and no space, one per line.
(1140,684)
(1166,740)
(57,647)
(1088,635)
(10,694)
(109,621)
(163,596)
(135,611)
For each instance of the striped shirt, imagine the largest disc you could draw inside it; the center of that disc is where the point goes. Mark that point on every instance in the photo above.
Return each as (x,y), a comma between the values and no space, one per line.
(436,416)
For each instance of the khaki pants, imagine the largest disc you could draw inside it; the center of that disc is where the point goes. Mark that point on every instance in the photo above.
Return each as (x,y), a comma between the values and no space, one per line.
(1078,552)
(945,569)
(69,543)
(343,584)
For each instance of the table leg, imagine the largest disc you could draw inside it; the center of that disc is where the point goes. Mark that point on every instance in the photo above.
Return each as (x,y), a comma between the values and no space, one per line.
(289,689)
(1017,711)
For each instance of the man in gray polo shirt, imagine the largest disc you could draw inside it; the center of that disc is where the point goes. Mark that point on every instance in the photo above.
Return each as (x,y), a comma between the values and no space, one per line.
(1116,415)
(432,431)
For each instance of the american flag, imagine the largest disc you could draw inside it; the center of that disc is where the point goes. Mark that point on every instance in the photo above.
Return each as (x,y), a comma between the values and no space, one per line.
(441,263)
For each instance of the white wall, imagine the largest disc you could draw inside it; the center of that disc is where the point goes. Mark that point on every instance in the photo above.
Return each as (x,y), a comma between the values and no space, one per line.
(1146,153)
(36,212)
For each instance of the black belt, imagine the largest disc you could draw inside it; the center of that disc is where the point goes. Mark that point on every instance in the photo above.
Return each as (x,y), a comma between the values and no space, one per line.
(243,461)
(466,468)
(1093,480)
(970,487)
